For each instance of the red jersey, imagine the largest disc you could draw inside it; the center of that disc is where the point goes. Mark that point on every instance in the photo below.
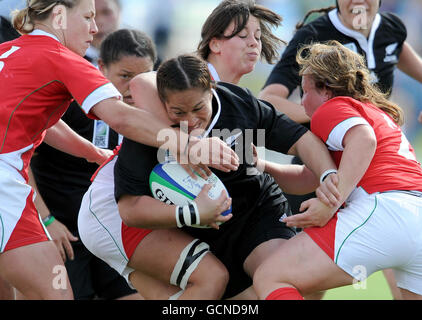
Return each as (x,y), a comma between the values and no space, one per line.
(394,165)
(39,77)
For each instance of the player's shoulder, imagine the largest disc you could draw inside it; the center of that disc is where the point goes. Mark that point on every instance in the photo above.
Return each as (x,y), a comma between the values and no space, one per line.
(232,89)
(391,18)
(392,23)
(338,105)
(233,94)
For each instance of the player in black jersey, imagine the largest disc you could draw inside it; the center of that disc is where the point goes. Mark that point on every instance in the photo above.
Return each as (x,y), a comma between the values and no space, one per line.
(258,205)
(379,37)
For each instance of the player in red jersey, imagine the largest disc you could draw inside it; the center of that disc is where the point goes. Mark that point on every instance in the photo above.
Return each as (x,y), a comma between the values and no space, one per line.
(380,181)
(40,74)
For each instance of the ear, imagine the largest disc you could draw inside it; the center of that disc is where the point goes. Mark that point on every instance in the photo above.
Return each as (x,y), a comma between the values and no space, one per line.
(215,45)
(59,17)
(327,94)
(101,65)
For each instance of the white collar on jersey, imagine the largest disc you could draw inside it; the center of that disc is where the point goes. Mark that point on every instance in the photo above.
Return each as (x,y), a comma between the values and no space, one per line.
(213,72)
(367,45)
(216,117)
(38,32)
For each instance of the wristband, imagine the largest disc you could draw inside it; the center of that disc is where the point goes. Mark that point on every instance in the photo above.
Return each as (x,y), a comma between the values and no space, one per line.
(326,174)
(187,215)
(48,220)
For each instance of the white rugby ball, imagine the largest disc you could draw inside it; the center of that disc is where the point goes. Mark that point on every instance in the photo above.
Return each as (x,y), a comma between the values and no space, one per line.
(171,184)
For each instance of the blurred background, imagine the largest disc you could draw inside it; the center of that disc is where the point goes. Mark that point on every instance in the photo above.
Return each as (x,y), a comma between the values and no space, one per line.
(175,26)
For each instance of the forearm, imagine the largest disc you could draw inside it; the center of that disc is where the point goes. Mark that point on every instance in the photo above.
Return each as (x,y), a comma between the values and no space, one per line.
(276,94)
(63,138)
(357,155)
(146,212)
(39,202)
(293,110)
(313,153)
(292,179)
(139,125)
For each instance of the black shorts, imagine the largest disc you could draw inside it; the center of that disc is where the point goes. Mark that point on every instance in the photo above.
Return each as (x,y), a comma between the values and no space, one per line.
(236,239)
(91,278)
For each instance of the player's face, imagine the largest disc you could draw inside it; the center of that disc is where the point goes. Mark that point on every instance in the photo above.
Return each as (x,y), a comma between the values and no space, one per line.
(358,14)
(107,19)
(193,106)
(312,98)
(80,27)
(121,72)
(240,53)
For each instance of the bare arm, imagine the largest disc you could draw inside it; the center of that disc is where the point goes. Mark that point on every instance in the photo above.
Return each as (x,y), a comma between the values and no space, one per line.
(58,231)
(292,179)
(359,148)
(360,144)
(298,179)
(147,212)
(63,138)
(39,202)
(277,94)
(410,62)
(314,154)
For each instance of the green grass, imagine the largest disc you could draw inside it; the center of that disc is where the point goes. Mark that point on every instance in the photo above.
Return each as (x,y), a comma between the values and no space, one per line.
(376,289)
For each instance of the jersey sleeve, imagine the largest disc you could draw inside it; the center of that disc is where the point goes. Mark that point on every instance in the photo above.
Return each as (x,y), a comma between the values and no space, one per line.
(281,133)
(286,71)
(332,121)
(85,82)
(396,27)
(132,169)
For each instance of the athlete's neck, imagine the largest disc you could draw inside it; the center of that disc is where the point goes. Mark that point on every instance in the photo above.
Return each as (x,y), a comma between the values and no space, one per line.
(225,74)
(49,29)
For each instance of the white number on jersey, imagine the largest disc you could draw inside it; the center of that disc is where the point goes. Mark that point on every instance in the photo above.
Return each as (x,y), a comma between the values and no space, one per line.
(6,55)
(404,150)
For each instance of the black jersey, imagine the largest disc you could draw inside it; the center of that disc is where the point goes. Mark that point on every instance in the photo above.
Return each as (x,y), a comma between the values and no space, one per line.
(62,179)
(7,32)
(381,50)
(258,204)
(242,117)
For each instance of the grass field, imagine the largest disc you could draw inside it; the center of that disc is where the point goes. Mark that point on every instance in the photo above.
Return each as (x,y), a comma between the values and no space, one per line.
(376,289)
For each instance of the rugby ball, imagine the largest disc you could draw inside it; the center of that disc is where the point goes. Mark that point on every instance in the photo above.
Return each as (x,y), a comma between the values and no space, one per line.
(171,184)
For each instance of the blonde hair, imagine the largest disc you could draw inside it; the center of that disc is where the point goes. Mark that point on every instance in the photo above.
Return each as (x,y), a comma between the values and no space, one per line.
(36,10)
(342,71)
